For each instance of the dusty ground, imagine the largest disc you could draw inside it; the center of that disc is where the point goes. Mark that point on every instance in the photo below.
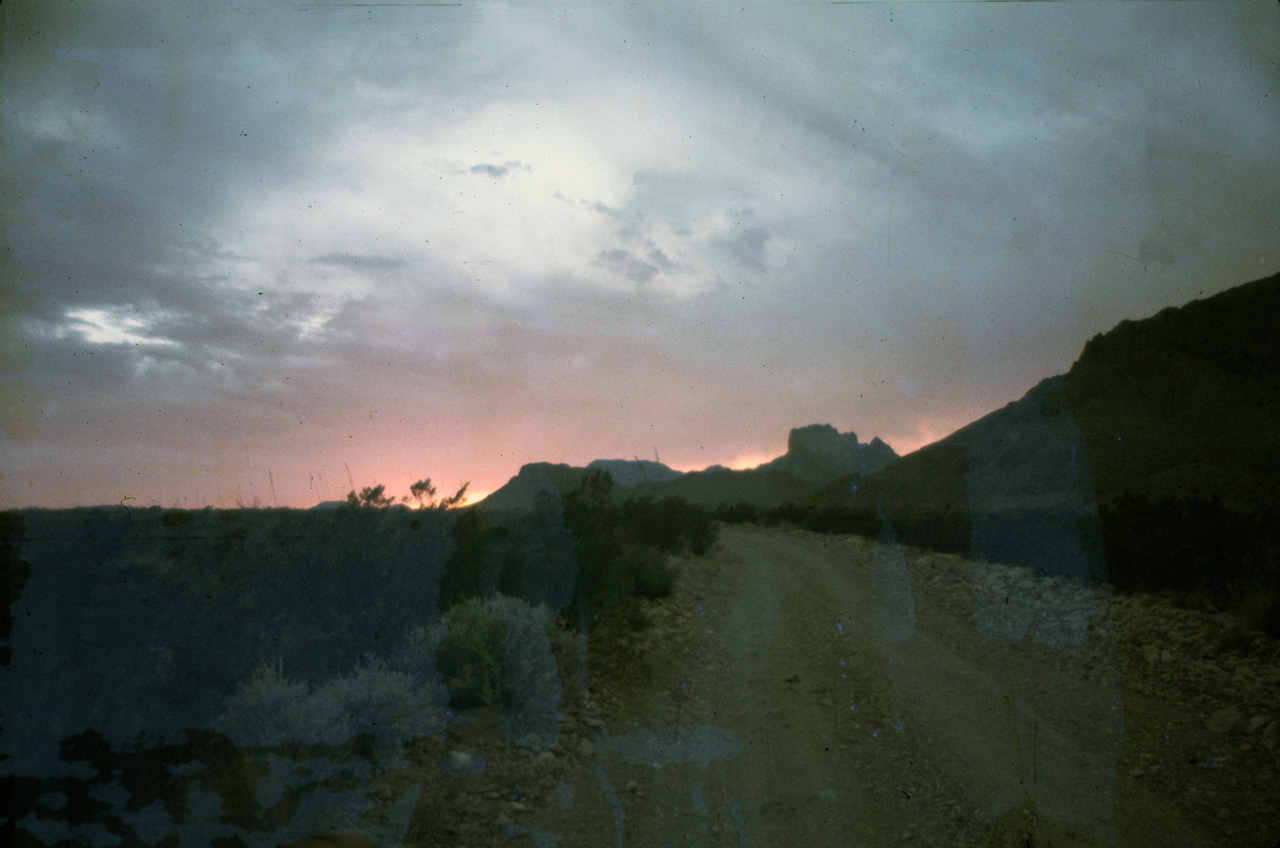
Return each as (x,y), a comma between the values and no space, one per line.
(810,690)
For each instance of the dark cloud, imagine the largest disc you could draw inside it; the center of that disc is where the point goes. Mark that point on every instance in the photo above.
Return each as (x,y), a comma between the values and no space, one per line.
(624,262)
(496,171)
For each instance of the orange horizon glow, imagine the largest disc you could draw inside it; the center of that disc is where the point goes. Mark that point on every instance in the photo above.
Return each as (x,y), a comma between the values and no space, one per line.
(741,462)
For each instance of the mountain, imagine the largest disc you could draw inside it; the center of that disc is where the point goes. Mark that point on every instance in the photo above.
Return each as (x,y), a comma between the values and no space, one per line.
(636,472)
(1184,404)
(815,455)
(818,453)
(521,491)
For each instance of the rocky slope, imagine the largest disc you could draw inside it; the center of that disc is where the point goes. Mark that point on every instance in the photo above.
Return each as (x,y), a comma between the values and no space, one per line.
(1185,403)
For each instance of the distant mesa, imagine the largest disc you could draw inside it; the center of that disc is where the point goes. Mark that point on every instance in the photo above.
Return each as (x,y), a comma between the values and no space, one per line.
(819,453)
(815,455)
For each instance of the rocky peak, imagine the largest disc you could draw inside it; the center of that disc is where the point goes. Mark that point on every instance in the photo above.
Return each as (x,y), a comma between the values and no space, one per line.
(819,452)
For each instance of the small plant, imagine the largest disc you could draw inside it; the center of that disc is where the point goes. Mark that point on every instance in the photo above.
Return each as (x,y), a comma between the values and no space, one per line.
(421,493)
(370,496)
(424,495)
(393,705)
(267,710)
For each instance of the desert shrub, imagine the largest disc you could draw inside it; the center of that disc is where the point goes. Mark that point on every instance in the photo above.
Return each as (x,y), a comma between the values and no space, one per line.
(417,653)
(671,525)
(1268,616)
(370,496)
(739,513)
(503,651)
(843,520)
(393,706)
(175,518)
(470,655)
(374,698)
(472,570)
(622,549)
(648,572)
(538,556)
(568,649)
(266,710)
(579,554)
(530,677)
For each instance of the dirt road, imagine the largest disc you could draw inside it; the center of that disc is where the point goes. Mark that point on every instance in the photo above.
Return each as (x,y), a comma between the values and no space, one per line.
(833,694)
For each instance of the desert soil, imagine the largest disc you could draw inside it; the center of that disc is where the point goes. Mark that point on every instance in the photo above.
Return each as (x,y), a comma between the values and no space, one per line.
(812,690)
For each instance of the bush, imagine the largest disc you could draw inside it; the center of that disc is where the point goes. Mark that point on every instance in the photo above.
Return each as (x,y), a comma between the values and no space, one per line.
(472,570)
(393,706)
(470,655)
(581,554)
(649,573)
(671,525)
(505,652)
(744,512)
(267,710)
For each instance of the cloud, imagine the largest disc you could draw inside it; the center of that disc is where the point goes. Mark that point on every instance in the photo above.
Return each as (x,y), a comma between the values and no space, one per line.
(239,232)
(496,171)
(113,326)
(358,262)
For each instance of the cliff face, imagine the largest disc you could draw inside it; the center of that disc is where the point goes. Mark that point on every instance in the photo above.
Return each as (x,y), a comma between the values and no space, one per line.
(819,453)
(1235,330)
(1187,402)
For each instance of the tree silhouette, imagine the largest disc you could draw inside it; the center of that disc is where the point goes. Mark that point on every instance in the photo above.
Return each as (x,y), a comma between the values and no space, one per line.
(370,496)
(424,494)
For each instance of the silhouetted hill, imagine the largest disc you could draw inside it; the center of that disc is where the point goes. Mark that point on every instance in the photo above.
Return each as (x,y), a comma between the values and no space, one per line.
(716,486)
(1180,405)
(1185,403)
(815,455)
(521,491)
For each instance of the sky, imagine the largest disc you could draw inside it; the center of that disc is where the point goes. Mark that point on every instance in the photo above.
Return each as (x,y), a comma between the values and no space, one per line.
(266,253)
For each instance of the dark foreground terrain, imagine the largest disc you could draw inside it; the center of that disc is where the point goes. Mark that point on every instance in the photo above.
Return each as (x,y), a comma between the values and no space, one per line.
(795,690)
